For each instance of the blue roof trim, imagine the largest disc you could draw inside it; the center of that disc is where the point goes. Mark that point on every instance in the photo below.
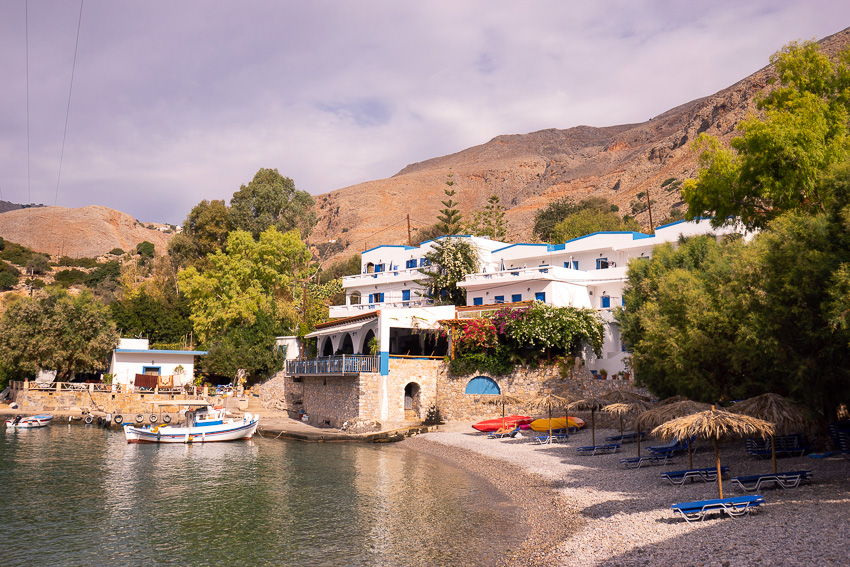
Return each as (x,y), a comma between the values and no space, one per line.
(695,220)
(520,244)
(446,236)
(142,350)
(406,247)
(635,235)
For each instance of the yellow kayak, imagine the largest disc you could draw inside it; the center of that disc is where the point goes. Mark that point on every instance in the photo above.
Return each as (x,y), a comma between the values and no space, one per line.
(557,423)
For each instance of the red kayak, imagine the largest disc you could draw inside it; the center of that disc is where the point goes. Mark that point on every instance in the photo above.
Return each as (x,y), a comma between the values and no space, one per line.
(489,425)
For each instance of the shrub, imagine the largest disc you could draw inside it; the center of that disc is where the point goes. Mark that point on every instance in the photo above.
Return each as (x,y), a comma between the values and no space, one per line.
(77,262)
(67,278)
(9,275)
(116,252)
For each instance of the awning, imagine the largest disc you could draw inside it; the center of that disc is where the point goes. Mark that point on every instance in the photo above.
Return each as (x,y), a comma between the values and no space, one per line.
(343,327)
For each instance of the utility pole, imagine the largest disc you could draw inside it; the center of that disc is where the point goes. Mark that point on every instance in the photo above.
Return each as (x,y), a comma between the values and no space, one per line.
(409,241)
(649,206)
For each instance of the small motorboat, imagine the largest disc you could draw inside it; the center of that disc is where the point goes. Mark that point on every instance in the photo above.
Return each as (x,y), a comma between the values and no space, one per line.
(490,425)
(204,424)
(29,422)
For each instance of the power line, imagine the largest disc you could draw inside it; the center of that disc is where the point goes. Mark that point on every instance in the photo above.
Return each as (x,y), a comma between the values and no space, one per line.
(27,36)
(68,110)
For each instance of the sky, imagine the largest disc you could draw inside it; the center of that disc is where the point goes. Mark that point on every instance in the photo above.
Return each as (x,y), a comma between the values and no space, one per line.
(157,105)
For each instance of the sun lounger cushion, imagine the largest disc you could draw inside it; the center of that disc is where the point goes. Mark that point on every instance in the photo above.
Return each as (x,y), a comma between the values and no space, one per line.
(555,438)
(786,445)
(638,462)
(735,506)
(598,449)
(754,482)
(626,437)
(708,474)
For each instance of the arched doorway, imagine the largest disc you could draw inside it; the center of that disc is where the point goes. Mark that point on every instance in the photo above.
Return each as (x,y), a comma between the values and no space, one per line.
(327,347)
(347,345)
(411,401)
(355,298)
(370,334)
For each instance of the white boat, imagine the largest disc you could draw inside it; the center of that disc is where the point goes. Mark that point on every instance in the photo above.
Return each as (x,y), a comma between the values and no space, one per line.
(29,422)
(204,424)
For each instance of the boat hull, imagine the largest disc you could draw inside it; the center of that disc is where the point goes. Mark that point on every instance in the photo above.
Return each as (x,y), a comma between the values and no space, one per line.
(30,422)
(540,425)
(230,430)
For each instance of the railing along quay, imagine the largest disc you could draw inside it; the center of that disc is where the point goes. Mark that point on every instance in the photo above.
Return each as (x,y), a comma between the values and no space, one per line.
(342,364)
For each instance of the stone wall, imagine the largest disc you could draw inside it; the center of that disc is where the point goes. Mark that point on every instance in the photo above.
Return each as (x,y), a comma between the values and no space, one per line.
(75,400)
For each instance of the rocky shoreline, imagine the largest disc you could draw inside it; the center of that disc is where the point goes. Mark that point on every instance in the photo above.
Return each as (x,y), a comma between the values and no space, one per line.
(585,510)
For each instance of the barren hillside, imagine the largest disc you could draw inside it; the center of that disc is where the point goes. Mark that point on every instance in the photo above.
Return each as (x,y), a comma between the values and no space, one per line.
(530,170)
(83,232)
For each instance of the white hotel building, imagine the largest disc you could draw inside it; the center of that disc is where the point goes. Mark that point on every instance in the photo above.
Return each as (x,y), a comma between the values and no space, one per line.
(385,301)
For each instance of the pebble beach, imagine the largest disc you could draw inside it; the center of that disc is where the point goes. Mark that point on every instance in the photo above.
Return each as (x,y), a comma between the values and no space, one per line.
(589,511)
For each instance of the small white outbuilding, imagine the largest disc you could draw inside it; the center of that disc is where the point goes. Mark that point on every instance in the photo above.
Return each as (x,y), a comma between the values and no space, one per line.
(134,356)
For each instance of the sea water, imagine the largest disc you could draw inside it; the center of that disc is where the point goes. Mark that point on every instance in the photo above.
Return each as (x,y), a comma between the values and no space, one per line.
(81,495)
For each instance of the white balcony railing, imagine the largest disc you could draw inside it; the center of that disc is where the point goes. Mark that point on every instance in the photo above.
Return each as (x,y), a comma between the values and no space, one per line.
(402,274)
(342,364)
(349,310)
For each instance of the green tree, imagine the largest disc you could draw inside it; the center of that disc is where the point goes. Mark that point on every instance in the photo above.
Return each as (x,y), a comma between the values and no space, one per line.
(248,278)
(162,320)
(775,164)
(205,230)
(449,261)
(68,333)
(489,221)
(38,264)
(9,275)
(548,217)
(271,200)
(450,219)
(251,347)
(590,220)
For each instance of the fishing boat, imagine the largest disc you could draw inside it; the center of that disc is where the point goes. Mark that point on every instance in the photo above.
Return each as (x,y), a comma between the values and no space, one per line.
(29,422)
(204,423)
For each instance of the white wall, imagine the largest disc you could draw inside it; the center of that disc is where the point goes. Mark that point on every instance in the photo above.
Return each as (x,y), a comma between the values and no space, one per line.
(125,365)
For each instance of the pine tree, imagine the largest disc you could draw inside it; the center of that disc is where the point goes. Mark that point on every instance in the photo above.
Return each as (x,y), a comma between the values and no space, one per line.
(450,219)
(490,221)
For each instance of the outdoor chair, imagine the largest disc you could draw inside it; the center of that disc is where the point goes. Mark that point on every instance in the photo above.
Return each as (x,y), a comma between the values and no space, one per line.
(598,449)
(676,445)
(646,460)
(754,482)
(558,435)
(735,506)
(708,474)
(786,445)
(501,433)
(626,437)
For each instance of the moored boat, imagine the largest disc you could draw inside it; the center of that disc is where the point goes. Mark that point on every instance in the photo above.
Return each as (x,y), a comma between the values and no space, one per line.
(540,425)
(203,424)
(489,425)
(29,422)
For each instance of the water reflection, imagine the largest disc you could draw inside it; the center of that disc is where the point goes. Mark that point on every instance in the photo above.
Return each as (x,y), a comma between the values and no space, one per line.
(82,495)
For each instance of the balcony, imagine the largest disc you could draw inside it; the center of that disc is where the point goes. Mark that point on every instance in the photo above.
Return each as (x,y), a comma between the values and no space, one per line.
(376,278)
(358,308)
(341,365)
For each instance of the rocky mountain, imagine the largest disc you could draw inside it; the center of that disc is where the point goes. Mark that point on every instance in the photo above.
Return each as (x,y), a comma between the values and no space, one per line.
(528,171)
(84,232)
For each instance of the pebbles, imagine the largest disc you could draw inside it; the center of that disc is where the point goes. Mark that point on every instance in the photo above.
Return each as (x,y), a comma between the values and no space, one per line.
(586,510)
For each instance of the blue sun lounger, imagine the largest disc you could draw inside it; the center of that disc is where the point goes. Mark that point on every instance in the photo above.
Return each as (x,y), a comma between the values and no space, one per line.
(502,434)
(735,506)
(754,482)
(708,474)
(557,435)
(626,437)
(646,460)
(598,449)
(676,445)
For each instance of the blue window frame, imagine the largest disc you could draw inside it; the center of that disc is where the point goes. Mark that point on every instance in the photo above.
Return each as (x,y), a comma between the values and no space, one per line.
(376,298)
(605,302)
(575,264)
(499,299)
(424,262)
(482,385)
(379,268)
(601,263)
(405,295)
(478,301)
(516,297)
(410,263)
(153,370)
(540,296)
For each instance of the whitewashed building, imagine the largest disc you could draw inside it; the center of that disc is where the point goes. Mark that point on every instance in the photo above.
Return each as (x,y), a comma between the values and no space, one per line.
(134,357)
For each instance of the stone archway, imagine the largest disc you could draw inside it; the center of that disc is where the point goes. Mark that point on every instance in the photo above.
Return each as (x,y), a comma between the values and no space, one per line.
(347,346)
(412,402)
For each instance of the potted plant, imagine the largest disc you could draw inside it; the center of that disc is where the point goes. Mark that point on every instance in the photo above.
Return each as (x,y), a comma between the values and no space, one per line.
(603,373)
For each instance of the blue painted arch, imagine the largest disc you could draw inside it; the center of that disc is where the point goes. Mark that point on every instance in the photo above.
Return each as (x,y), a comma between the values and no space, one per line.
(482,385)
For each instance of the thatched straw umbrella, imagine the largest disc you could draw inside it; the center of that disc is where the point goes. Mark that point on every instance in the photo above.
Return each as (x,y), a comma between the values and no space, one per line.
(591,404)
(715,425)
(549,401)
(663,413)
(784,414)
(619,396)
(502,399)
(627,408)
(673,400)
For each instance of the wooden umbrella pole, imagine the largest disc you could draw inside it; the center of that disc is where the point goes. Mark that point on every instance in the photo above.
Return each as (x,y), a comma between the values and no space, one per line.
(690,455)
(638,432)
(773,452)
(717,460)
(621,425)
(593,426)
(550,422)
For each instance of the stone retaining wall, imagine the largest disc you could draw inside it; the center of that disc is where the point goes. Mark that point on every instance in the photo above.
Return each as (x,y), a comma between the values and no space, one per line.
(108,402)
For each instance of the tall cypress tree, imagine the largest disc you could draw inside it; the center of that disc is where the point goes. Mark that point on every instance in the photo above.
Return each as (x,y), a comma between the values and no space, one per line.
(450,217)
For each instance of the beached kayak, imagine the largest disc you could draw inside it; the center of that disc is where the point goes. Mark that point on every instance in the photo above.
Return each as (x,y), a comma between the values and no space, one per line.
(509,420)
(557,423)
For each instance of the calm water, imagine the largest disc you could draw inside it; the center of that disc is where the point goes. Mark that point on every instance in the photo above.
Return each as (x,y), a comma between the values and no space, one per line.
(80,495)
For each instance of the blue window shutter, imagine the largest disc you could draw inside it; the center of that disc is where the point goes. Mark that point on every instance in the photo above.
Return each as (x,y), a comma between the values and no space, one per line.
(499,298)
(601,263)
(540,296)
(380,297)
(371,298)
(516,297)
(405,295)
(478,301)
(575,264)
(606,302)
